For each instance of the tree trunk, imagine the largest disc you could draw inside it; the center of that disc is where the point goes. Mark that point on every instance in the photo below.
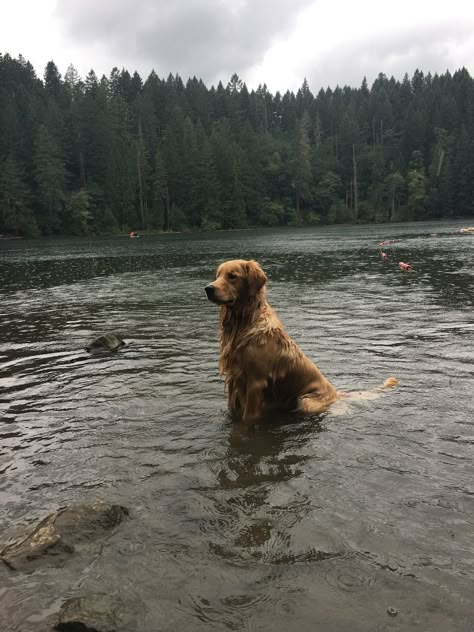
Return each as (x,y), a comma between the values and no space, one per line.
(317,131)
(356,196)
(440,163)
(265,113)
(167,210)
(81,162)
(140,186)
(139,171)
(83,172)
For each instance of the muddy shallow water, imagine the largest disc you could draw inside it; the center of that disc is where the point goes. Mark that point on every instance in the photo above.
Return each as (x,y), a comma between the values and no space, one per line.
(316,523)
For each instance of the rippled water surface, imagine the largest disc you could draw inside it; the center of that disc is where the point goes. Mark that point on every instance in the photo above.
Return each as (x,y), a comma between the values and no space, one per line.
(305,523)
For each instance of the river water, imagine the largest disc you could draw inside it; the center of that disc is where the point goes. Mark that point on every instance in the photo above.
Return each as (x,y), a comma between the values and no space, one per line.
(307,523)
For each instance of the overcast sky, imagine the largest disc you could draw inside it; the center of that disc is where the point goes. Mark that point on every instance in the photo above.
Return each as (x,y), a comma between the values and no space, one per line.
(277,42)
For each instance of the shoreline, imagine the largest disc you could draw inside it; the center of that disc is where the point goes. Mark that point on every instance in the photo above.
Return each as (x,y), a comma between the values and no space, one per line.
(148,233)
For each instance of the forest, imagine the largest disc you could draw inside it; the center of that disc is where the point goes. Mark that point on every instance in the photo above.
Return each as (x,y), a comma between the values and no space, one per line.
(86,156)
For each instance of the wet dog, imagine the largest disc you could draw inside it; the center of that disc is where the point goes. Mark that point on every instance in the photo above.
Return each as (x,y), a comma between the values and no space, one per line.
(262,365)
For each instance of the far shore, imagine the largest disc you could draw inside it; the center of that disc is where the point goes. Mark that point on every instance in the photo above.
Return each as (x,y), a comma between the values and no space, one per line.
(152,232)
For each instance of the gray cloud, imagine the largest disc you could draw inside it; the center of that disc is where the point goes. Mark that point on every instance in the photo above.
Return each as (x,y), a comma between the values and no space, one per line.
(207,38)
(432,48)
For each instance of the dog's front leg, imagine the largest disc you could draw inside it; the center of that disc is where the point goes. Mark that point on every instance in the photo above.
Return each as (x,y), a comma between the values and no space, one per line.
(236,394)
(254,403)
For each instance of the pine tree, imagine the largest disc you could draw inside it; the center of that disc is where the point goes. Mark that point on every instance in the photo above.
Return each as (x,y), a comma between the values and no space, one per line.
(235,216)
(16,217)
(394,192)
(79,216)
(160,216)
(51,179)
(416,180)
(302,174)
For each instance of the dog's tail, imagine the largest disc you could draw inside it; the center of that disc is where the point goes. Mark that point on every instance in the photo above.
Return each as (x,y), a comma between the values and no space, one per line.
(390,382)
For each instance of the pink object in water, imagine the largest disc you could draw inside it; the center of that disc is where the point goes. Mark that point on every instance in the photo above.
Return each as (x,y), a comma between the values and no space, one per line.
(388,241)
(384,256)
(405,266)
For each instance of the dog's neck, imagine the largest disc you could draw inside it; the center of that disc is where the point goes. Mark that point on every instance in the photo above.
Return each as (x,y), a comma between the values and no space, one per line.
(235,320)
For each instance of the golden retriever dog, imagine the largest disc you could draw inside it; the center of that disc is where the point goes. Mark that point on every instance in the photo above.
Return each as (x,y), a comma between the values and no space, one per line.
(262,365)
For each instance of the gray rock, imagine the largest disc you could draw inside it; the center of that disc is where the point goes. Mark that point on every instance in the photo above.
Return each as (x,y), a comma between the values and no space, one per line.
(107,342)
(95,613)
(55,538)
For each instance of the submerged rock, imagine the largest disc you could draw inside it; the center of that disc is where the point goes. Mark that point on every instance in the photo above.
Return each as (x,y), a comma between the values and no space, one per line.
(55,538)
(95,613)
(107,342)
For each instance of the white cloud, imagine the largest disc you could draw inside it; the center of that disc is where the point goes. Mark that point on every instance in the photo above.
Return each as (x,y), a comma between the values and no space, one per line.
(339,42)
(276,42)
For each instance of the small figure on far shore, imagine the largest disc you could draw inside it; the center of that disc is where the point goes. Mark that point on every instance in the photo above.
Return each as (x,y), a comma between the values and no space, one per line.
(133,234)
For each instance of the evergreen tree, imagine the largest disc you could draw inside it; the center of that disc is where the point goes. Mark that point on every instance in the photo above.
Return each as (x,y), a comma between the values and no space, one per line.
(16,217)
(394,192)
(302,174)
(78,213)
(51,181)
(160,215)
(416,180)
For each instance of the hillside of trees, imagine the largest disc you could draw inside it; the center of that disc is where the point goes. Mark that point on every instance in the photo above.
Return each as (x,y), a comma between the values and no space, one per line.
(109,154)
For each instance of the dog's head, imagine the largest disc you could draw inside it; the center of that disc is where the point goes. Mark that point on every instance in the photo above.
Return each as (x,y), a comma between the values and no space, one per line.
(236,282)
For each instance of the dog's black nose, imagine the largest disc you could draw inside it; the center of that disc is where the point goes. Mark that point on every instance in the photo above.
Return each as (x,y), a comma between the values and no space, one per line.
(210,289)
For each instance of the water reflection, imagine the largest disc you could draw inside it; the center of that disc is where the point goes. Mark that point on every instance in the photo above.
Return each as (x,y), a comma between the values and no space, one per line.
(259,500)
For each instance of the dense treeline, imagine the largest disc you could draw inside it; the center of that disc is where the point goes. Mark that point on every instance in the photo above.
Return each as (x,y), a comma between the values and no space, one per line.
(100,155)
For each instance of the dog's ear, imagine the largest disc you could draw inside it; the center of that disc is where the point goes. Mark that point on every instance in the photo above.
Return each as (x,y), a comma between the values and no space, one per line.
(256,277)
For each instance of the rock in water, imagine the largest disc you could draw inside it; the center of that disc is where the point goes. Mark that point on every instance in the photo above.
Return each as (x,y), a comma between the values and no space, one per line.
(92,613)
(100,612)
(55,538)
(107,342)
(86,522)
(40,543)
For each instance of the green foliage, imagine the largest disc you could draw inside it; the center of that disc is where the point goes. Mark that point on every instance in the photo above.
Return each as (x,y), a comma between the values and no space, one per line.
(416,180)
(79,213)
(16,216)
(102,155)
(339,213)
(394,193)
(272,213)
(50,178)
(327,192)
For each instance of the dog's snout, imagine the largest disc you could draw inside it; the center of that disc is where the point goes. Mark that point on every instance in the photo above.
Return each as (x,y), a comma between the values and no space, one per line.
(210,290)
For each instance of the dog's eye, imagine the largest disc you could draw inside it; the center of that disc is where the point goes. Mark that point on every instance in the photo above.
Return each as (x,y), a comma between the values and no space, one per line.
(232,276)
